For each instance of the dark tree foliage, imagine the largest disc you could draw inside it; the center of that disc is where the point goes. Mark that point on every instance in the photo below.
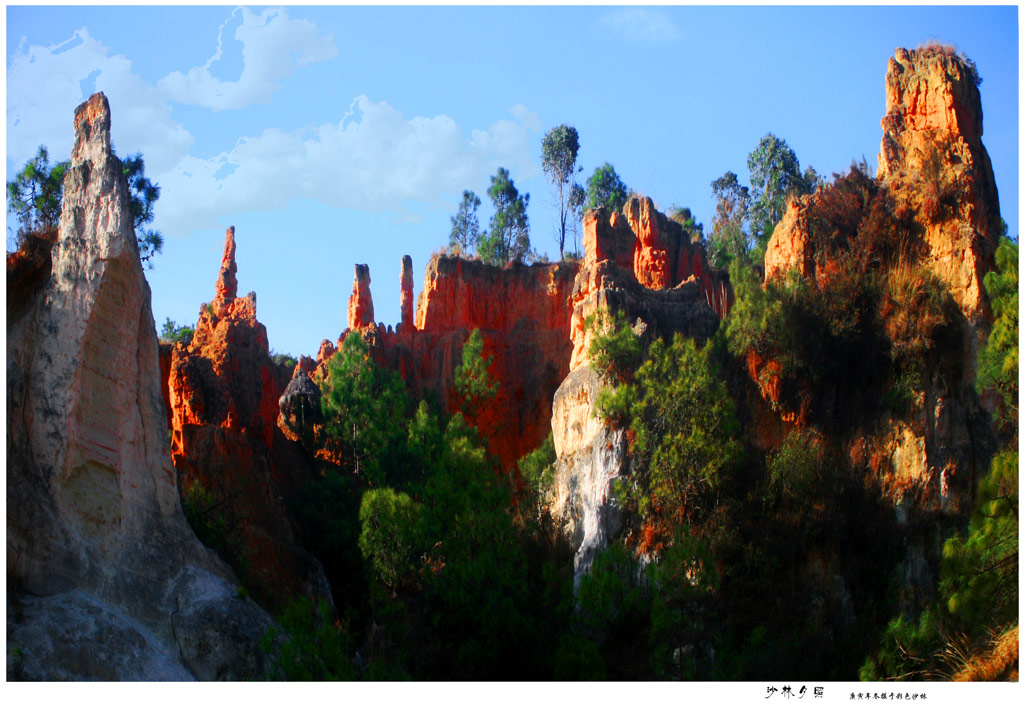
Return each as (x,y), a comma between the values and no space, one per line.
(606,189)
(508,239)
(473,383)
(684,217)
(309,646)
(998,362)
(361,401)
(433,573)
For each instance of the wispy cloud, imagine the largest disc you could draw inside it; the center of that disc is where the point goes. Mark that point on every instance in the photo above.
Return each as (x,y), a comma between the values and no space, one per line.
(273,47)
(45,84)
(640,25)
(373,159)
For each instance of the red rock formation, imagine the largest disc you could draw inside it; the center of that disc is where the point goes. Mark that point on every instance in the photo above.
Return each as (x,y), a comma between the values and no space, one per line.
(790,245)
(938,174)
(662,260)
(227,283)
(650,260)
(360,304)
(607,238)
(644,266)
(935,168)
(407,299)
(224,396)
(932,159)
(522,313)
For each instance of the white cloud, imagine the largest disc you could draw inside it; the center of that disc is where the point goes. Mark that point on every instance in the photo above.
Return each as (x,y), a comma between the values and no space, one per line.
(525,116)
(640,25)
(45,84)
(373,159)
(273,46)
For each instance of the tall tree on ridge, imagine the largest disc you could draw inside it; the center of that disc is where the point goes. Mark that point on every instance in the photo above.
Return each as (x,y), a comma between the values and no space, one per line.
(558,158)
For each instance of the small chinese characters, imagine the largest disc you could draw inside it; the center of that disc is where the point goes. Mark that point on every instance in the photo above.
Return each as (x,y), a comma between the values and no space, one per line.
(789,692)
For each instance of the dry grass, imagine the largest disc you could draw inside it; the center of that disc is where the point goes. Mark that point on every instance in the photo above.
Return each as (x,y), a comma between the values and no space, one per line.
(912,306)
(934,46)
(998,663)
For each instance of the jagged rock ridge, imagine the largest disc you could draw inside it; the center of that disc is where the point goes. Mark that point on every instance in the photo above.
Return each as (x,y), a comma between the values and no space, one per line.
(224,393)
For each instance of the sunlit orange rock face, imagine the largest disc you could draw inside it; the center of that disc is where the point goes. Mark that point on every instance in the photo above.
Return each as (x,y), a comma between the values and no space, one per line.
(790,245)
(938,174)
(360,303)
(522,313)
(640,261)
(932,159)
(223,391)
(936,169)
(407,300)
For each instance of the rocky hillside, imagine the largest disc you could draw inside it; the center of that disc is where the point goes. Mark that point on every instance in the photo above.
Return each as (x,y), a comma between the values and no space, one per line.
(628,466)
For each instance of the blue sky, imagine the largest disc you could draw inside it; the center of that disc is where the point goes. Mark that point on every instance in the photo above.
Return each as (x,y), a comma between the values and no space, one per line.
(331,136)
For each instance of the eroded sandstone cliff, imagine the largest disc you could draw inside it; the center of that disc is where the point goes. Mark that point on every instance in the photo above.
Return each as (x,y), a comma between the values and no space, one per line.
(643,265)
(105,578)
(937,173)
(224,391)
(522,314)
(935,167)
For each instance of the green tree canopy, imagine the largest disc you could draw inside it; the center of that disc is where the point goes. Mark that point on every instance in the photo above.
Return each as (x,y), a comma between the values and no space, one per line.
(172,332)
(361,401)
(465,224)
(606,189)
(35,194)
(998,362)
(473,382)
(774,175)
(391,535)
(728,237)
(508,238)
(681,420)
(558,158)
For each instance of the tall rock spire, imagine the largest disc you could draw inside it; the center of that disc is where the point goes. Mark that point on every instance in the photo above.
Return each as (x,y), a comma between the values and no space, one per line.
(227,283)
(407,297)
(360,304)
(932,159)
(95,533)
